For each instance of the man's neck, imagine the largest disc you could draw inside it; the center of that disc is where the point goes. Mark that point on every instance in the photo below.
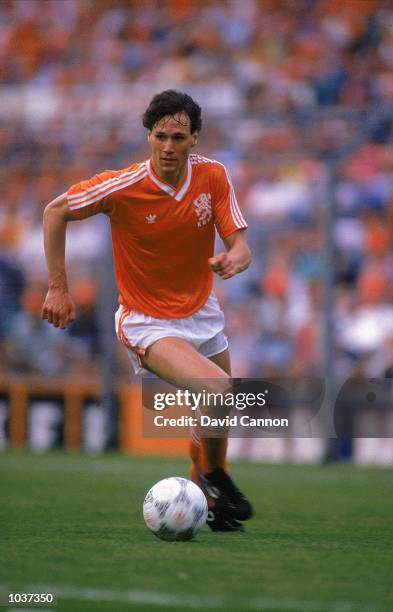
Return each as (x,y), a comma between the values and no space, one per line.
(173,178)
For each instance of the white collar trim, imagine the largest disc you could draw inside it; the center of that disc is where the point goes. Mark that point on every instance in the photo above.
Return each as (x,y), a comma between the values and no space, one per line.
(186,183)
(167,188)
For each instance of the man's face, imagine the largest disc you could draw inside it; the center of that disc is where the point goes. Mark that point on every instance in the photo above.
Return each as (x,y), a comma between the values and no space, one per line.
(170,141)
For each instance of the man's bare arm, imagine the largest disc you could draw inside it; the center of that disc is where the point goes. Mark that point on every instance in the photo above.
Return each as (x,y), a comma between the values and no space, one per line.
(236,258)
(58,308)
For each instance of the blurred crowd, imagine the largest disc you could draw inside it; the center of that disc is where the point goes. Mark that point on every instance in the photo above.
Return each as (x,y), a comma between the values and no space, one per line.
(297,100)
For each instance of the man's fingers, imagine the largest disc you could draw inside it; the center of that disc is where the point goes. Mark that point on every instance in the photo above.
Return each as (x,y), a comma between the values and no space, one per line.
(219,262)
(71,316)
(57,319)
(63,321)
(65,318)
(218,259)
(49,316)
(59,312)
(227,273)
(222,265)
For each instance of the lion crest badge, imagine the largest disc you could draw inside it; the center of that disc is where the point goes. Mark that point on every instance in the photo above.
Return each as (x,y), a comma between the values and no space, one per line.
(203,208)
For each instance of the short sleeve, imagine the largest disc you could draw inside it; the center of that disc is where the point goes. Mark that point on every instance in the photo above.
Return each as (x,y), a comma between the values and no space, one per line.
(228,217)
(90,197)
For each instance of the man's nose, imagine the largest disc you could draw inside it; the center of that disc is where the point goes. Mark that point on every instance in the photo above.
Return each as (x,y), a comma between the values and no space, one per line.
(168,146)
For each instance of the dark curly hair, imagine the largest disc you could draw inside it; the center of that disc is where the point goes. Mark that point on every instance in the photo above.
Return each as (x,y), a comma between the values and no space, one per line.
(170,102)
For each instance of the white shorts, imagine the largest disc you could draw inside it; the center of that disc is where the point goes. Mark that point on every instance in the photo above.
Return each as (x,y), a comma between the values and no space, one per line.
(203,329)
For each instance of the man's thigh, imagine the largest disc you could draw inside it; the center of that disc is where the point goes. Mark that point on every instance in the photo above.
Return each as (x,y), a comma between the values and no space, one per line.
(223,361)
(177,361)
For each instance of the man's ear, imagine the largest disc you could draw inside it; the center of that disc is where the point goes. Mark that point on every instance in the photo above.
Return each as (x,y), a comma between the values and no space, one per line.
(148,135)
(194,136)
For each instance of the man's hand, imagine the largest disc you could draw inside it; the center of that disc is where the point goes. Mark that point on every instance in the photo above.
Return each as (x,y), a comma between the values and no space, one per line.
(58,308)
(224,265)
(236,258)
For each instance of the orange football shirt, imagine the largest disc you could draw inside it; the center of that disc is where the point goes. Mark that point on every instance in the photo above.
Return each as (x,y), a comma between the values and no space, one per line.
(162,237)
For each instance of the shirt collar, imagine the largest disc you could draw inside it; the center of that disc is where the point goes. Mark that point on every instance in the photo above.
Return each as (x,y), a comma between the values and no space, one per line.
(179,193)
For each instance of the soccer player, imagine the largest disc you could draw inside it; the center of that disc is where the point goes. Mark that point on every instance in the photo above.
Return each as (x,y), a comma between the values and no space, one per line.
(163,214)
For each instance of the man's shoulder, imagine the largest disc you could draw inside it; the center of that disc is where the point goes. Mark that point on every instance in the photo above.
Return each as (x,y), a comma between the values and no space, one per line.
(105,184)
(131,171)
(204,165)
(200,160)
(115,180)
(120,176)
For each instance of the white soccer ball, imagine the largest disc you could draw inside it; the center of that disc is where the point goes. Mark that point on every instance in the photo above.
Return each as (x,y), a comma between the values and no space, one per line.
(175,509)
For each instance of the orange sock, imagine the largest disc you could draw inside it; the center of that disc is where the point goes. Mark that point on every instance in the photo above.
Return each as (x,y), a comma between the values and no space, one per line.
(212,454)
(207,453)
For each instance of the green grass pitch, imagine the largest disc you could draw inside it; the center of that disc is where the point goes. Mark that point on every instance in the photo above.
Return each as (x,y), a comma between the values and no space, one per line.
(321,539)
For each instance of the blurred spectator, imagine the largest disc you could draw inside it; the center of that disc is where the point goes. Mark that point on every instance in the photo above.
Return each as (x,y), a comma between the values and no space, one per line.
(32,346)
(11,286)
(85,327)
